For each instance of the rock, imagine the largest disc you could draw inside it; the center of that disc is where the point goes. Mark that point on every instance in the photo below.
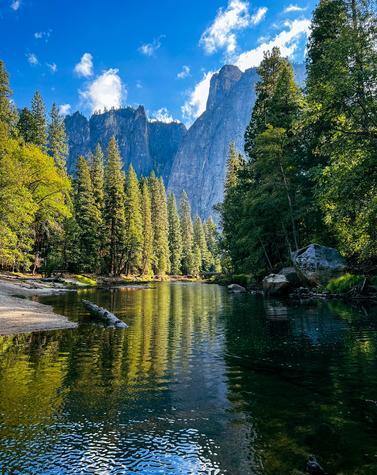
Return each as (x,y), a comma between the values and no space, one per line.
(236,289)
(313,467)
(276,284)
(291,274)
(318,264)
(147,144)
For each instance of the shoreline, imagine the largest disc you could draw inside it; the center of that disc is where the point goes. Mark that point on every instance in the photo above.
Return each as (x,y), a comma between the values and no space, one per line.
(19,314)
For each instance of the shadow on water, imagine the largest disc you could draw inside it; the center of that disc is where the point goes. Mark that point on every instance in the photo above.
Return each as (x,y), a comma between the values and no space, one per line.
(200,382)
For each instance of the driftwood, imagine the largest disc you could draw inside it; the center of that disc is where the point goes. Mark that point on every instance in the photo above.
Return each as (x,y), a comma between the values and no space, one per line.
(104,314)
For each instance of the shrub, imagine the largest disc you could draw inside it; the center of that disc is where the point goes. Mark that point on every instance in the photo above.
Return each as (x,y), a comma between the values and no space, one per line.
(85,280)
(344,283)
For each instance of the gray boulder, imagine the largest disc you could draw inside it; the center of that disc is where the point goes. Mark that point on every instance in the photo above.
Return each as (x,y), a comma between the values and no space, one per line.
(236,289)
(291,274)
(276,284)
(318,264)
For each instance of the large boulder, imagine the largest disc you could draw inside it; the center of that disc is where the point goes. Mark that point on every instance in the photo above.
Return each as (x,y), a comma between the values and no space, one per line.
(291,275)
(318,264)
(276,284)
(236,289)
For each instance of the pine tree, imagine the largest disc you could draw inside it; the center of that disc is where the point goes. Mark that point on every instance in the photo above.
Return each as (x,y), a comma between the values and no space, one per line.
(134,223)
(87,218)
(212,239)
(175,236)
(187,235)
(39,131)
(268,72)
(160,226)
(98,178)
(201,243)
(57,139)
(114,215)
(147,251)
(25,125)
(8,114)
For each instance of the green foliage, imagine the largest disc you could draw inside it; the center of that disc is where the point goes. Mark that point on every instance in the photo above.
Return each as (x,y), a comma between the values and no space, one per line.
(187,236)
(114,213)
(134,224)
(86,280)
(344,283)
(88,219)
(38,132)
(175,236)
(57,139)
(147,250)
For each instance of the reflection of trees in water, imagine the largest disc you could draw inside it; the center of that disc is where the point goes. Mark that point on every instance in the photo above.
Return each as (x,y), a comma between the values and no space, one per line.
(307,384)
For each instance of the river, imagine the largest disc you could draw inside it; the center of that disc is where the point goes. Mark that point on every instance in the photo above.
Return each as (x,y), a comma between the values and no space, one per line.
(202,382)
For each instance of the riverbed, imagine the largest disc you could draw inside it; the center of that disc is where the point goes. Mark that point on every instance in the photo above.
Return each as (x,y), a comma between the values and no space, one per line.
(201,382)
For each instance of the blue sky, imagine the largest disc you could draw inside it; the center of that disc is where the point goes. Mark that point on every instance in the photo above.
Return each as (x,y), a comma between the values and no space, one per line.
(85,55)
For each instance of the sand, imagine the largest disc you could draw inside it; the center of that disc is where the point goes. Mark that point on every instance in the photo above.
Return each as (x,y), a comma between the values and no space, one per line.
(22,315)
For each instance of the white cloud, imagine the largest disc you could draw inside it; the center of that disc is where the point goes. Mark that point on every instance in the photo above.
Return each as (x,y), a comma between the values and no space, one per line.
(259,16)
(149,49)
(197,100)
(221,34)
(106,91)
(85,67)
(184,73)
(162,115)
(293,8)
(32,59)
(286,40)
(15,5)
(139,85)
(64,109)
(53,68)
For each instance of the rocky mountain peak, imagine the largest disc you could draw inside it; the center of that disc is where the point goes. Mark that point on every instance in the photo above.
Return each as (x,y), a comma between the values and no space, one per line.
(221,83)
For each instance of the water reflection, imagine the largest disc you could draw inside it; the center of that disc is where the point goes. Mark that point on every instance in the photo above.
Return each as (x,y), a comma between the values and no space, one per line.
(201,382)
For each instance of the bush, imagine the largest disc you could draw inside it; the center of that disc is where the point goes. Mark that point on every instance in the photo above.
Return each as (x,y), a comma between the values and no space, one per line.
(343,284)
(85,280)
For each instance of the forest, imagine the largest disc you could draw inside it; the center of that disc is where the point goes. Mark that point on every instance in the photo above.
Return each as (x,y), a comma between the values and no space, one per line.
(102,220)
(309,171)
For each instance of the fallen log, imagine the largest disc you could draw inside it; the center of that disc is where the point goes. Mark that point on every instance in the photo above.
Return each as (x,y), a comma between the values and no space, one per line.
(104,314)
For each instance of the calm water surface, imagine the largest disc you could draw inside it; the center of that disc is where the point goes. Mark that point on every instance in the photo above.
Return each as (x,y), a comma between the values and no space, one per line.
(202,382)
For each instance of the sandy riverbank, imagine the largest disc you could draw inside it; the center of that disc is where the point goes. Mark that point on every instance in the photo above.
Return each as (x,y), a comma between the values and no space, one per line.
(18,314)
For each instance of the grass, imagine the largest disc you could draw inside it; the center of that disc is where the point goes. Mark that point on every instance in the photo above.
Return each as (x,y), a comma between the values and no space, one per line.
(86,280)
(344,283)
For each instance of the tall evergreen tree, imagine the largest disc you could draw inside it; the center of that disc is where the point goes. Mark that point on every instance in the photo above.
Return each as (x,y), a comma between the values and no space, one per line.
(147,250)
(201,243)
(134,223)
(342,73)
(39,131)
(175,236)
(87,217)
(187,235)
(26,126)
(114,215)
(268,72)
(57,139)
(212,239)
(7,112)
(98,178)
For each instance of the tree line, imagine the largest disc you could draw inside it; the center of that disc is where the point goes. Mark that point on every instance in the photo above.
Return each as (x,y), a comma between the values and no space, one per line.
(101,221)
(310,172)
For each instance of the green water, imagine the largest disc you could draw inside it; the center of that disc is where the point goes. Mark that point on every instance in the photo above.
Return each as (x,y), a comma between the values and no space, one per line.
(202,382)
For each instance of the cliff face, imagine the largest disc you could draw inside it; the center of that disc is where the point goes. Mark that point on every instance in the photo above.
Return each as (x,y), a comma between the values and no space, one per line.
(200,164)
(147,145)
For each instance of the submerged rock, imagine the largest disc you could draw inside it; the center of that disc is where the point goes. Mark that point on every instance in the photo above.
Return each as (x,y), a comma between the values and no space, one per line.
(276,284)
(318,264)
(236,289)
